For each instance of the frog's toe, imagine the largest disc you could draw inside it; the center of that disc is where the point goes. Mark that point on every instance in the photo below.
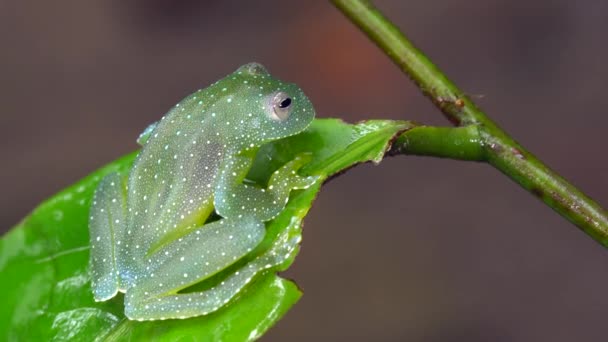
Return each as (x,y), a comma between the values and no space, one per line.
(305,182)
(296,163)
(104,288)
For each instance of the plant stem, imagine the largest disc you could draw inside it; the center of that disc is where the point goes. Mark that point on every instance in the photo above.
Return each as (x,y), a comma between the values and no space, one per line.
(499,149)
(462,143)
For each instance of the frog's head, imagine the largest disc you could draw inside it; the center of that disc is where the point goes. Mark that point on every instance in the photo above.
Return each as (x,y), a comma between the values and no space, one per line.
(279,109)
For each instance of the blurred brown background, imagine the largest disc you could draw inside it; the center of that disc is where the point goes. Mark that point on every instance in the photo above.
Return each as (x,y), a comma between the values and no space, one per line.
(416,249)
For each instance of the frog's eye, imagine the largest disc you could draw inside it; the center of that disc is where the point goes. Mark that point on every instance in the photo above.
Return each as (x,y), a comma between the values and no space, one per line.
(281,106)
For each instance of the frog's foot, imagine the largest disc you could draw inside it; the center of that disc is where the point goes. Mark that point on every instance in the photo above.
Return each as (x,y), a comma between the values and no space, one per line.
(234,199)
(287,178)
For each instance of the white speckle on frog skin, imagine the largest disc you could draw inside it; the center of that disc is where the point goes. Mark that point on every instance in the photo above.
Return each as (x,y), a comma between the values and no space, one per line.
(177,181)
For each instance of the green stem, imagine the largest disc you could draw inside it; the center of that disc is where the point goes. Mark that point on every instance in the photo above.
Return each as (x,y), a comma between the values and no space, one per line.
(499,149)
(462,143)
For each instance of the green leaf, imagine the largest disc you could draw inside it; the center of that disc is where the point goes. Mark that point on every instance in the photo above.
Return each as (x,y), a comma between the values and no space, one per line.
(44,259)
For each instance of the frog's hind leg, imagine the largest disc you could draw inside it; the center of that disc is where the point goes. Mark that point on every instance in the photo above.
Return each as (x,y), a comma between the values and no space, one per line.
(189,260)
(107,217)
(185,305)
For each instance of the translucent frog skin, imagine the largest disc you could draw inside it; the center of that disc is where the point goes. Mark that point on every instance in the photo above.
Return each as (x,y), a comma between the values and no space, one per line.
(148,233)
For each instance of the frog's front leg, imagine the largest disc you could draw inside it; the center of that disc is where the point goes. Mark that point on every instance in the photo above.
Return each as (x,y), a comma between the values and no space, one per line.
(188,260)
(235,199)
(106,222)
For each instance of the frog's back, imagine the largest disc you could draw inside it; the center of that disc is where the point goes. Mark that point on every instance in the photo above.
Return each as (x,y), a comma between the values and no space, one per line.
(170,187)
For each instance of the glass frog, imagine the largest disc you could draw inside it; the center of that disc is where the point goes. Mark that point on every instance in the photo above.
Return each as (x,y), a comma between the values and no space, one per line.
(149,233)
